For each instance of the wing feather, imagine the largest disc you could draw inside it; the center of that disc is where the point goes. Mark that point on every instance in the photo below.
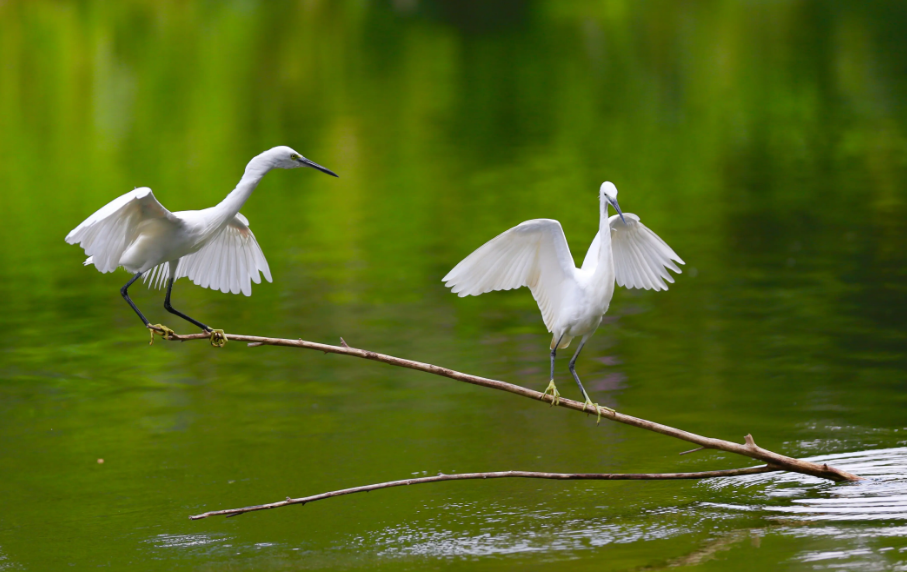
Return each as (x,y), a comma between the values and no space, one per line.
(229,262)
(107,233)
(533,254)
(640,256)
(643,271)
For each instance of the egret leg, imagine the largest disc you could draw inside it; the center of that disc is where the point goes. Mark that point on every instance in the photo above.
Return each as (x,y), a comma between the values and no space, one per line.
(572,367)
(168,333)
(125,292)
(218,338)
(555,394)
(173,310)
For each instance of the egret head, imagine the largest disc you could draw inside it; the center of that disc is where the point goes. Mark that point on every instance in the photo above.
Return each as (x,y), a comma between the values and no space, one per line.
(609,193)
(287,158)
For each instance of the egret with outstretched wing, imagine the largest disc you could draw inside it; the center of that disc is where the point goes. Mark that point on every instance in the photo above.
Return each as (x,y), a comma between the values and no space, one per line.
(572,300)
(213,247)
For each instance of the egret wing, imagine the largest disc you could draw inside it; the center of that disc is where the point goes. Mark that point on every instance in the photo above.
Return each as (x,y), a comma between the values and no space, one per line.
(229,262)
(640,256)
(533,254)
(107,233)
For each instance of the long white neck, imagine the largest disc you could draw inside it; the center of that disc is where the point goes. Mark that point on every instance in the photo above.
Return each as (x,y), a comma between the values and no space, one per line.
(603,277)
(257,168)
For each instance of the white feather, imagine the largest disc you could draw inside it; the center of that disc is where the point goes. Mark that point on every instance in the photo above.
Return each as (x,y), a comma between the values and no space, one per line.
(107,233)
(572,301)
(533,254)
(643,255)
(641,258)
(229,251)
(229,262)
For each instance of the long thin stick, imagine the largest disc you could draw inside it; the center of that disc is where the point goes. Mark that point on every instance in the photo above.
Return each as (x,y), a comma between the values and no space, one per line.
(497,475)
(748,449)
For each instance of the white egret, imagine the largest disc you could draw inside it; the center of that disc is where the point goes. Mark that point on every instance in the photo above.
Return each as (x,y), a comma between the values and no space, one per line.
(572,300)
(212,247)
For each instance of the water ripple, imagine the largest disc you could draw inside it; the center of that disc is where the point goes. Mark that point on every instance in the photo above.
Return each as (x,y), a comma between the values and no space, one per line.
(184,540)
(882,496)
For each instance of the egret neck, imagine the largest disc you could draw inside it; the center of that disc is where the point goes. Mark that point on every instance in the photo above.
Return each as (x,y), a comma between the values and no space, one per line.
(602,283)
(224,211)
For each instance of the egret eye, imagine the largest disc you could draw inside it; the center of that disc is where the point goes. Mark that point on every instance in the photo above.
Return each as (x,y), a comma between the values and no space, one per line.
(294,157)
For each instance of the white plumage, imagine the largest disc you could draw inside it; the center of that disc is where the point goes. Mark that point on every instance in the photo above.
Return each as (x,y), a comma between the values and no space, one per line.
(572,300)
(213,247)
(533,254)
(229,262)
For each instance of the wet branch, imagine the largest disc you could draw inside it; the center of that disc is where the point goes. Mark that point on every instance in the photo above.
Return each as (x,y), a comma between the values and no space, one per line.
(497,475)
(747,449)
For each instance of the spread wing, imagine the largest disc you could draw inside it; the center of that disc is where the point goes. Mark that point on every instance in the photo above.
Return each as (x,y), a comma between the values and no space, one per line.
(105,235)
(229,262)
(533,254)
(640,256)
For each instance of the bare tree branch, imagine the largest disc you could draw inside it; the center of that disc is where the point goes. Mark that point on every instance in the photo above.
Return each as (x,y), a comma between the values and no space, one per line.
(497,475)
(748,449)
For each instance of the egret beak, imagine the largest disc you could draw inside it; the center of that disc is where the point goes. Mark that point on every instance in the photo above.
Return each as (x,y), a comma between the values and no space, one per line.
(614,204)
(315,165)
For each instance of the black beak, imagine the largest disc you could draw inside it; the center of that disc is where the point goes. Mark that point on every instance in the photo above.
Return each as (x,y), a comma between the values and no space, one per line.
(315,165)
(617,208)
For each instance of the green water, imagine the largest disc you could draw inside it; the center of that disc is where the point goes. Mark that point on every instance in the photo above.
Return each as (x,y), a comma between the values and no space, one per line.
(765,141)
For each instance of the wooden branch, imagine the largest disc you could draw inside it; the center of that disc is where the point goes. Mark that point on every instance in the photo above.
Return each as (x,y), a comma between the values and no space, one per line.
(749,449)
(497,475)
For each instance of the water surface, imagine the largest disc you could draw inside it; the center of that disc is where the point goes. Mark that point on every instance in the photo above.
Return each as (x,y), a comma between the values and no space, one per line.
(765,141)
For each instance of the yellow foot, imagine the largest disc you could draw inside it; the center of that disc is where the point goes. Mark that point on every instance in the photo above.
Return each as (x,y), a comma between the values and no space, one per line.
(555,394)
(218,338)
(162,331)
(598,409)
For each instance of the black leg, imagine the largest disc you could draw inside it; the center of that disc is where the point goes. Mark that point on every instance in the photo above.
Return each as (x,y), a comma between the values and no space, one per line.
(552,389)
(125,293)
(572,368)
(173,310)
(554,353)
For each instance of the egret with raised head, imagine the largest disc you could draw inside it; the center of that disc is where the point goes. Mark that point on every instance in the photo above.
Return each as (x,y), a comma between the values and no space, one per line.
(572,300)
(213,247)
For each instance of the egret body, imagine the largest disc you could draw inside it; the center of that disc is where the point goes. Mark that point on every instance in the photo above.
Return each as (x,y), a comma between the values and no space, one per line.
(213,247)
(572,300)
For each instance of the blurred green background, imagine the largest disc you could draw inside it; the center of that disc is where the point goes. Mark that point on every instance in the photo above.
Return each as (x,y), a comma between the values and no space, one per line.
(764,141)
